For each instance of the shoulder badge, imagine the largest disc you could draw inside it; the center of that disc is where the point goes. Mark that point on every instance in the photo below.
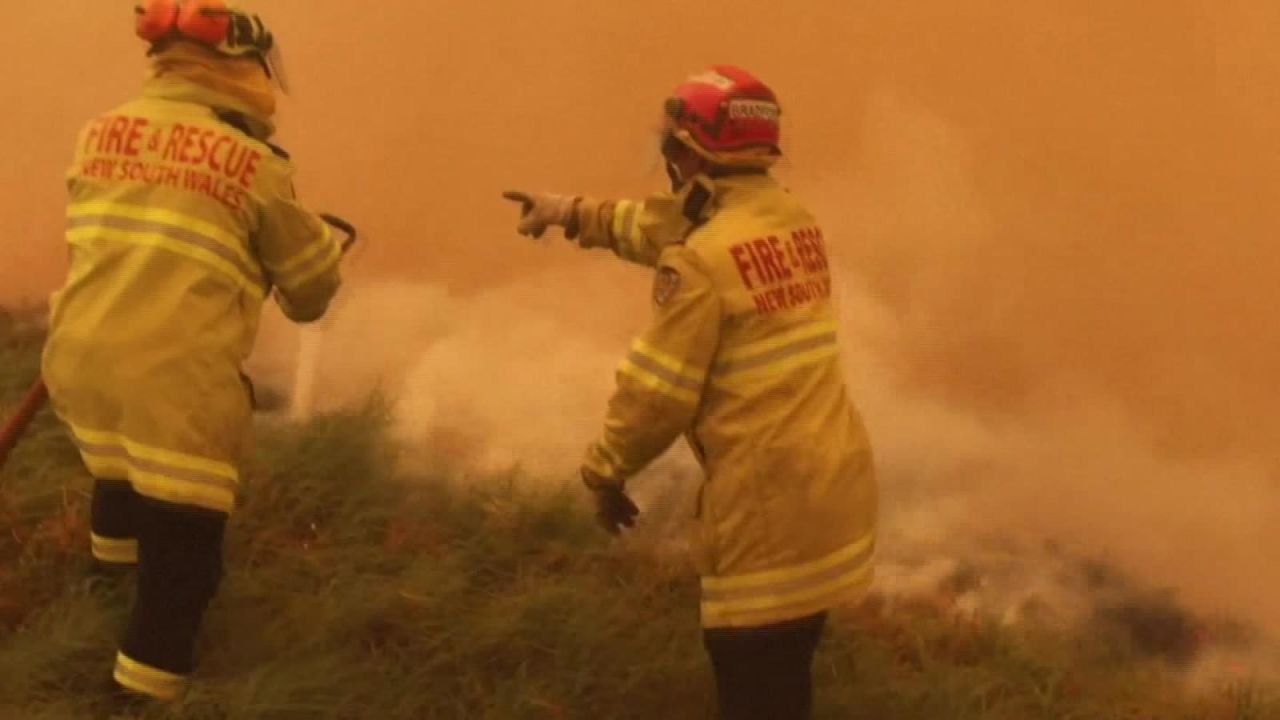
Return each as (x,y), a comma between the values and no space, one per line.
(665,285)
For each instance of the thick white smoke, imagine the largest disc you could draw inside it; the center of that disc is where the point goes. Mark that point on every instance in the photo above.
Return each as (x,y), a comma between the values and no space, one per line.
(1010,429)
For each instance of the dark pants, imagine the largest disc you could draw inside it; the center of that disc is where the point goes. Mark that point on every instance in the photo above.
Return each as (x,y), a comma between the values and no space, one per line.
(765,673)
(179,552)
(113,521)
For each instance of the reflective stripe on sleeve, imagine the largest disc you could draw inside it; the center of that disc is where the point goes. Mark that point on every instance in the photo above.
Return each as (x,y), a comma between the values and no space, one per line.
(609,453)
(624,221)
(310,262)
(662,373)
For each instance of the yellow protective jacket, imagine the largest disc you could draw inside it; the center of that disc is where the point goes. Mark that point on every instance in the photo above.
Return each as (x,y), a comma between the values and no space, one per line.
(742,358)
(180,223)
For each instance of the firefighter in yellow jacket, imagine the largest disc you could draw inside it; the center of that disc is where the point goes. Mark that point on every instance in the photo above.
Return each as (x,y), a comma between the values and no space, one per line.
(742,359)
(182,220)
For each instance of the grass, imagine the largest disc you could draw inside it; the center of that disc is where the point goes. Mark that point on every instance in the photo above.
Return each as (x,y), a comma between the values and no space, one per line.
(357,589)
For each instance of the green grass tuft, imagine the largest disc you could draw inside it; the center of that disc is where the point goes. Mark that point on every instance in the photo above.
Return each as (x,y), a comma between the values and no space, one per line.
(358,590)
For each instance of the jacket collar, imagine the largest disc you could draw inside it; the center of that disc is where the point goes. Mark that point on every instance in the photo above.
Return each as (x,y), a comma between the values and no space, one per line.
(734,188)
(174,88)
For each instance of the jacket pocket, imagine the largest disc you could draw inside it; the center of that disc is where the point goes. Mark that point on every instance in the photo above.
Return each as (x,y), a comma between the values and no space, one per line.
(774,474)
(780,487)
(702,540)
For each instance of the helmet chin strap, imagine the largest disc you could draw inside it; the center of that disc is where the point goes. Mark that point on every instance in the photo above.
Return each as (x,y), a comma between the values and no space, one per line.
(677,180)
(671,147)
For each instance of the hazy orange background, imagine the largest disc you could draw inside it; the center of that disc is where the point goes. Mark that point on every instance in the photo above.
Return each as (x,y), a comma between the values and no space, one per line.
(1054,207)
(1112,171)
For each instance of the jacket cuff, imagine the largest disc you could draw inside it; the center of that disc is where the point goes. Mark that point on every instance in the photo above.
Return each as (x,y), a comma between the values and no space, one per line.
(592,223)
(599,471)
(572,224)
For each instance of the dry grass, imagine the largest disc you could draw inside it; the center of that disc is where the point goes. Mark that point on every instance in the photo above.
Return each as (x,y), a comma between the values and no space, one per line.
(355,591)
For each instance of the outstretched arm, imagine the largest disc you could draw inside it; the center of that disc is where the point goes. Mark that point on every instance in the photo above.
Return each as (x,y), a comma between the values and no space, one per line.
(616,225)
(613,224)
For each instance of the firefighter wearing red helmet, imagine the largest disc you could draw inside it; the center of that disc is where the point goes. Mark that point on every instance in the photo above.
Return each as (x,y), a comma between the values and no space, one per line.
(182,220)
(742,359)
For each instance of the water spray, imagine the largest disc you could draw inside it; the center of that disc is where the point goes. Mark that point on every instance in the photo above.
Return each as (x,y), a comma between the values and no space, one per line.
(311,342)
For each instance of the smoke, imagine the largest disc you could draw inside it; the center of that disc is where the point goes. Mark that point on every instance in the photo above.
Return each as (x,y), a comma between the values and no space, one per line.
(1009,412)
(1103,390)
(1055,228)
(514,378)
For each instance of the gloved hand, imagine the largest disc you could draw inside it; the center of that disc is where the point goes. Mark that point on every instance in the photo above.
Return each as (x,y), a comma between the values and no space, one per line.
(614,510)
(542,210)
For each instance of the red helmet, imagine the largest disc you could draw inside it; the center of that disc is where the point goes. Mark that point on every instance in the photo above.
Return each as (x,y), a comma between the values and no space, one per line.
(728,116)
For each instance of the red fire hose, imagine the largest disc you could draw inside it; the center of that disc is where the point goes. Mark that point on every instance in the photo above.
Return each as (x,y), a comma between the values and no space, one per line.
(17,425)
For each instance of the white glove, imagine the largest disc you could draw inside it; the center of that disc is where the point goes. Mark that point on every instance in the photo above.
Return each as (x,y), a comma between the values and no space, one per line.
(542,210)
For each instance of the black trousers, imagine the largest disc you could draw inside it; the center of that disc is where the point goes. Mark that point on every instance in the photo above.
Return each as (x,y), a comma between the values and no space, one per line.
(179,569)
(765,673)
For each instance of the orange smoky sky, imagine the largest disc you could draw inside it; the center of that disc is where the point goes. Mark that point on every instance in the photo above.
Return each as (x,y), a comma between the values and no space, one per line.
(1050,202)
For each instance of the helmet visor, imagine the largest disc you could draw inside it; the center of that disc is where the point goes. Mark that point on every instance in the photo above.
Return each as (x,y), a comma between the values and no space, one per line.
(273,61)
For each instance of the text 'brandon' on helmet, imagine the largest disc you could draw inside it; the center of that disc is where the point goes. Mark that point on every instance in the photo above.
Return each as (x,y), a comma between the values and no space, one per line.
(728,116)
